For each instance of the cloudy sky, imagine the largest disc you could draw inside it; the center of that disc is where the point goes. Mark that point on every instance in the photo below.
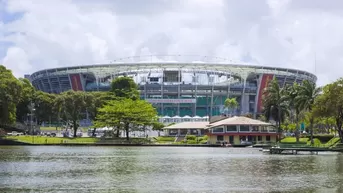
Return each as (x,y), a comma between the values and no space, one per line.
(39,34)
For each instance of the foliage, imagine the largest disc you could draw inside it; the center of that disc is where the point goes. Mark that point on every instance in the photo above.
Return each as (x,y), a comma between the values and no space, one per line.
(10,96)
(192,142)
(330,104)
(125,87)
(204,138)
(27,97)
(275,102)
(305,99)
(231,103)
(127,115)
(191,137)
(72,104)
(157,126)
(44,106)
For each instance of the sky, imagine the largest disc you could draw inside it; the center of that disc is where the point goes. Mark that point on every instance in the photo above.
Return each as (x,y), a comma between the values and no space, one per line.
(301,34)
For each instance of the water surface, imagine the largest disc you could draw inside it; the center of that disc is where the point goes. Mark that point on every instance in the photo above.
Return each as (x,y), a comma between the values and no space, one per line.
(165,169)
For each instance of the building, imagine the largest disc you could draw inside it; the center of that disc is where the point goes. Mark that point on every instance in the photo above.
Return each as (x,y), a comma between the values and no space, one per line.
(237,130)
(176,88)
(186,128)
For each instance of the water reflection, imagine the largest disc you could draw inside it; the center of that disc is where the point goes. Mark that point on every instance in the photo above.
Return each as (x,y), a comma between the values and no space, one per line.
(163,169)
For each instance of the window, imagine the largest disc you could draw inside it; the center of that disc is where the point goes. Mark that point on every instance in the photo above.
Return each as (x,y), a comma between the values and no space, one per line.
(254,128)
(244,128)
(259,138)
(218,130)
(220,138)
(173,132)
(231,128)
(153,79)
(268,138)
(231,139)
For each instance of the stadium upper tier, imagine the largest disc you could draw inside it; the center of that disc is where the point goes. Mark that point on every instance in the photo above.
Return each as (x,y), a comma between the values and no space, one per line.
(202,82)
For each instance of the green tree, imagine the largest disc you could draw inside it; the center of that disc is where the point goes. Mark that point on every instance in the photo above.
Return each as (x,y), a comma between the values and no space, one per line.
(44,105)
(305,99)
(127,114)
(97,100)
(275,103)
(72,105)
(125,87)
(292,93)
(28,92)
(231,103)
(10,95)
(158,126)
(330,104)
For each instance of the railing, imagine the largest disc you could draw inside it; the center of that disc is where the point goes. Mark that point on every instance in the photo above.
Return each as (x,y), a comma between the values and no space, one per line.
(250,131)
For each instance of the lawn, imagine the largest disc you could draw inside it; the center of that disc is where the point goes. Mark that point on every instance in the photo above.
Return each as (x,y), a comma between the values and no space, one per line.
(294,140)
(307,142)
(52,140)
(58,129)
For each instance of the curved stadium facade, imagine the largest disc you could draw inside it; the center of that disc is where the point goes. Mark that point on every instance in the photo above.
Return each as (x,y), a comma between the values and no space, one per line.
(176,88)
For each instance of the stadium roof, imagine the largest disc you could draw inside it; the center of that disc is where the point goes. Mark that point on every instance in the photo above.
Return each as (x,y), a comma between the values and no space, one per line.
(240,70)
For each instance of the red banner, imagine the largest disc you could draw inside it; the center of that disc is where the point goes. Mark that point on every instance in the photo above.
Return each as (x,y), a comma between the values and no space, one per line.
(76,84)
(264,83)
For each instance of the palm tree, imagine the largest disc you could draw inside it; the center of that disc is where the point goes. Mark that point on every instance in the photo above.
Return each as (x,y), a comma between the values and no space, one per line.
(231,103)
(292,93)
(275,103)
(308,92)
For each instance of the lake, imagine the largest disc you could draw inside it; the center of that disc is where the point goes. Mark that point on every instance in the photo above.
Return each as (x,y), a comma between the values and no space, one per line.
(165,169)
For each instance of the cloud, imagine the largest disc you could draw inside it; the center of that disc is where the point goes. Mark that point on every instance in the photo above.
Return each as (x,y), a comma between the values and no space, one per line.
(281,33)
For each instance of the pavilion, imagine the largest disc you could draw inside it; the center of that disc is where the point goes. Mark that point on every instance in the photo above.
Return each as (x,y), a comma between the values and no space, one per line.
(236,130)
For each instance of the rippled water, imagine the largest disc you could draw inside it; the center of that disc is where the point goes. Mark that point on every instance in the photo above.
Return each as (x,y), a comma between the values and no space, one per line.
(165,169)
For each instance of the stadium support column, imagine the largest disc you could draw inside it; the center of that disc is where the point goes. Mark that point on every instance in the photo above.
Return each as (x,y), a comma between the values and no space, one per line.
(212,95)
(179,91)
(244,103)
(162,92)
(195,94)
(243,97)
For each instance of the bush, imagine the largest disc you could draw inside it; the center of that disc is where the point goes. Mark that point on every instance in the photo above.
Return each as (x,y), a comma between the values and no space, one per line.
(191,142)
(191,137)
(203,139)
(324,138)
(316,142)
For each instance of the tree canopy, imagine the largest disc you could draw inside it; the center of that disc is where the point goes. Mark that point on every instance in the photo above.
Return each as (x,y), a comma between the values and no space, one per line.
(127,115)
(10,96)
(125,87)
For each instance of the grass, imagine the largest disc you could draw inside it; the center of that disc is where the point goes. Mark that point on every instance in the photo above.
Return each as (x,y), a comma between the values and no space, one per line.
(294,140)
(164,139)
(51,140)
(58,129)
(307,142)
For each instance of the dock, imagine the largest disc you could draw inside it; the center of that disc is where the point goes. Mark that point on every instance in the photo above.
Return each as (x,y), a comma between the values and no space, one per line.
(295,150)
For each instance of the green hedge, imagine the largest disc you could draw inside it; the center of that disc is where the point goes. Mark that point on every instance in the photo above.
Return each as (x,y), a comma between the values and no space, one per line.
(191,137)
(323,138)
(191,142)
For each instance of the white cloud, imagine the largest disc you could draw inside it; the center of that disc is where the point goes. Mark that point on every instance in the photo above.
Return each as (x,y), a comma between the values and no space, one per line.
(267,32)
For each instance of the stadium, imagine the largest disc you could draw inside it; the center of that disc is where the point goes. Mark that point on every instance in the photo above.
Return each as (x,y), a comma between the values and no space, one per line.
(195,88)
